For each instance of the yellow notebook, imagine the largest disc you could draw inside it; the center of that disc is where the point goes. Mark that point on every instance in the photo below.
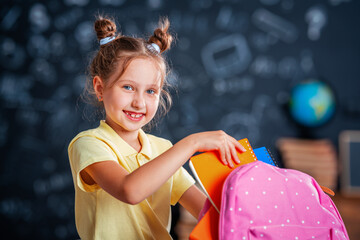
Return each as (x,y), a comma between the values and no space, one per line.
(211,173)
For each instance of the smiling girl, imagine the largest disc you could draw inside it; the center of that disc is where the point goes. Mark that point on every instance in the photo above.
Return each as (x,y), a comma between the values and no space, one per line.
(126,180)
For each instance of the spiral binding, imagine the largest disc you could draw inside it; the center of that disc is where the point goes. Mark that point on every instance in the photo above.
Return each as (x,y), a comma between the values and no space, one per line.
(271,157)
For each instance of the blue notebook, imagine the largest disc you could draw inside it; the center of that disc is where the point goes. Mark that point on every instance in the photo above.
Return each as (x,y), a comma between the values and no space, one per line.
(263,155)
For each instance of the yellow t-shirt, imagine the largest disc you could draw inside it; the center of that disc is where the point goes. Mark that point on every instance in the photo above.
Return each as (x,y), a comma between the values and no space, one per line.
(99,215)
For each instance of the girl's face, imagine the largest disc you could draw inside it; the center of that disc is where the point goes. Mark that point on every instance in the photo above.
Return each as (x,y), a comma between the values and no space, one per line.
(133,100)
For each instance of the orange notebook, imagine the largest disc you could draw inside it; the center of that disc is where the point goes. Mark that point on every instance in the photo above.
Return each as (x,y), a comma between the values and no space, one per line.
(205,228)
(211,173)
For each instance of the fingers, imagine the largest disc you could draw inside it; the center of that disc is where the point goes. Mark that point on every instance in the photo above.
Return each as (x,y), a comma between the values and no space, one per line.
(227,147)
(238,145)
(228,153)
(225,152)
(223,155)
(234,155)
(231,147)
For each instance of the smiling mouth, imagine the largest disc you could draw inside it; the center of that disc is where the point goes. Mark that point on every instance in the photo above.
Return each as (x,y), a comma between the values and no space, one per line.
(134,116)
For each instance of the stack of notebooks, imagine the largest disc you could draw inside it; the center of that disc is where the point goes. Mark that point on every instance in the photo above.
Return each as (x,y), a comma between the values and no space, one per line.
(211,174)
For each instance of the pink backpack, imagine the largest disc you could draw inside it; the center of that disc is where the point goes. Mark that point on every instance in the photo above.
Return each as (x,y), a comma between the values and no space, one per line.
(260,201)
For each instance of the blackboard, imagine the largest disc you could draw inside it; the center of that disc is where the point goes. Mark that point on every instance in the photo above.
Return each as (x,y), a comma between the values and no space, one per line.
(233,64)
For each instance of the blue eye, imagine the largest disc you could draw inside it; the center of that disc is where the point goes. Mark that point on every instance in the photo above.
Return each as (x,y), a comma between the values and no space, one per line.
(150,91)
(127,87)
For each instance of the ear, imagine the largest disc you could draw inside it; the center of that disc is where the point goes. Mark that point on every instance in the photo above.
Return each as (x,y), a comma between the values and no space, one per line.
(98,85)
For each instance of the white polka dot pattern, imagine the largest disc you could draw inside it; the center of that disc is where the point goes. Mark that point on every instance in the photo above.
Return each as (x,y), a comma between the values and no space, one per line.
(274,203)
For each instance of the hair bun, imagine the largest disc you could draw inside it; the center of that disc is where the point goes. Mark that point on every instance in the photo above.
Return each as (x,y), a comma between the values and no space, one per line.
(161,37)
(104,27)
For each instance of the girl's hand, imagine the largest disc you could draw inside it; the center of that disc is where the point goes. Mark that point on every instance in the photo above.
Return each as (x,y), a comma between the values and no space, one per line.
(226,145)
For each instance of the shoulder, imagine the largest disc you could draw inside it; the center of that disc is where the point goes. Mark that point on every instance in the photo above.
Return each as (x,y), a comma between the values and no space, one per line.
(154,140)
(159,144)
(89,147)
(95,138)
(85,136)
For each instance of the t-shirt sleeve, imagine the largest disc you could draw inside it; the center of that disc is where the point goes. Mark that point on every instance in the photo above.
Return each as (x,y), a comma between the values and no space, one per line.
(182,181)
(86,151)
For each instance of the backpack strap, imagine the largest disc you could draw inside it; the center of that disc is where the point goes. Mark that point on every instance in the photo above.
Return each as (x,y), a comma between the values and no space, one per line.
(328,191)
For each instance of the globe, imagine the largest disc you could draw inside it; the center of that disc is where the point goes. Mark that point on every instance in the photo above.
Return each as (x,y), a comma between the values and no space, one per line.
(312,103)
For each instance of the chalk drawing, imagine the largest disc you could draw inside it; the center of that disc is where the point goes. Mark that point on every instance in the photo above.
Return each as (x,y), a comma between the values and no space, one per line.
(226,56)
(275,25)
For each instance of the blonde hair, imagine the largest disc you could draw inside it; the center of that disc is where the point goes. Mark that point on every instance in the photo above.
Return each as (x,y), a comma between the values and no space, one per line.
(116,55)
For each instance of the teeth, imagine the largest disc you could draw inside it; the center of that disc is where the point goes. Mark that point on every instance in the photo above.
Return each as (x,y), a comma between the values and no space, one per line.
(134,115)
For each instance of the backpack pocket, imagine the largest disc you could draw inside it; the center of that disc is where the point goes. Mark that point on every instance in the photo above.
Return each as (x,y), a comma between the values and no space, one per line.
(289,232)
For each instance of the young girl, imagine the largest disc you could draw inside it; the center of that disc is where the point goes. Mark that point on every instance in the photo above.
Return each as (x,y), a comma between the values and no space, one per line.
(126,180)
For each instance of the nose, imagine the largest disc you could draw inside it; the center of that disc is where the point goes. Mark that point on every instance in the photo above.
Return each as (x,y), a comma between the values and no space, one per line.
(138,101)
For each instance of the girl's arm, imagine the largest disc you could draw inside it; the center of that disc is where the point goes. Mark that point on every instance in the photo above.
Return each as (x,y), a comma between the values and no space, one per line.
(193,200)
(136,186)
